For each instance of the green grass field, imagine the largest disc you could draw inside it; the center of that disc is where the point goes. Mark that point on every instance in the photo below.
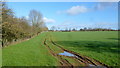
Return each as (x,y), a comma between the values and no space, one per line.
(28,53)
(99,45)
(102,46)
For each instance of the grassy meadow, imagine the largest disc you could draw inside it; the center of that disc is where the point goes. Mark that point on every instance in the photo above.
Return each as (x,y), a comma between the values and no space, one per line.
(28,53)
(99,45)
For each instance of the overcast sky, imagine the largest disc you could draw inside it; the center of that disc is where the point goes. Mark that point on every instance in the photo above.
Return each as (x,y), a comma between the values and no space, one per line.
(71,14)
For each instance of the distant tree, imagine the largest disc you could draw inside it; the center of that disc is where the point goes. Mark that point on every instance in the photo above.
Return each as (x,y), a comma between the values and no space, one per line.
(36,19)
(66,29)
(53,28)
(69,29)
(81,29)
(85,28)
(73,29)
(89,29)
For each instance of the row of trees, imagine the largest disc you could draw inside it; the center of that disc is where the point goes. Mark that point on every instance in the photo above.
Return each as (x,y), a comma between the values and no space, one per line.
(53,28)
(97,29)
(15,29)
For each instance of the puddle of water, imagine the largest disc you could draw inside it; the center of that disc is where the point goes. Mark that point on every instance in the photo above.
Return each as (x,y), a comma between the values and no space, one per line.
(98,66)
(91,65)
(67,54)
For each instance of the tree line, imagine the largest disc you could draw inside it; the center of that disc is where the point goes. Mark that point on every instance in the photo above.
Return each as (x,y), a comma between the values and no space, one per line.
(53,28)
(15,29)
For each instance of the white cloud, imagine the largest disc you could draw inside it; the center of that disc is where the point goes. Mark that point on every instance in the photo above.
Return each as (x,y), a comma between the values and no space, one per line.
(77,10)
(47,20)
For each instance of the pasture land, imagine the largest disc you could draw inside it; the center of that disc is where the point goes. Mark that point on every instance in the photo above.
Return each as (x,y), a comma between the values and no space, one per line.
(28,53)
(99,45)
(43,50)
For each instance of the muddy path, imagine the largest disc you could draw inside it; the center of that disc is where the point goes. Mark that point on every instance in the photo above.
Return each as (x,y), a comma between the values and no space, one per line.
(62,61)
(79,60)
(88,61)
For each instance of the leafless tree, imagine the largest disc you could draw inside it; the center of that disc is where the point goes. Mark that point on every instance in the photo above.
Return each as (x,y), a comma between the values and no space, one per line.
(53,28)
(35,18)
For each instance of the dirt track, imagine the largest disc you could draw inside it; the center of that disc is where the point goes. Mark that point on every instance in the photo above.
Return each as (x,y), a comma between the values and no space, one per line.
(79,60)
